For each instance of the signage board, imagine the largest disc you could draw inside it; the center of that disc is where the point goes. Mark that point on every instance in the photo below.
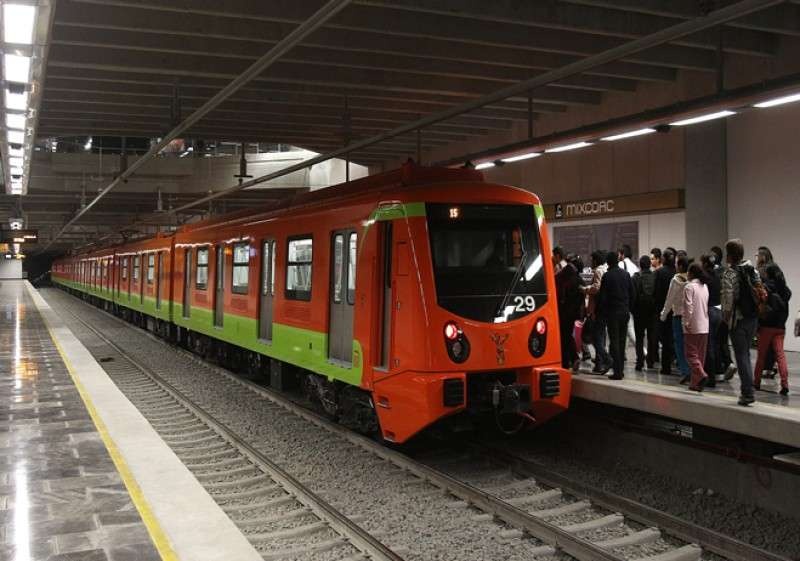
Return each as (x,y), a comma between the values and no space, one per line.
(19,236)
(657,201)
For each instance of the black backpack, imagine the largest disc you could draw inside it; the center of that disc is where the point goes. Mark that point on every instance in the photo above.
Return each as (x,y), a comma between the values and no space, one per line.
(751,298)
(645,288)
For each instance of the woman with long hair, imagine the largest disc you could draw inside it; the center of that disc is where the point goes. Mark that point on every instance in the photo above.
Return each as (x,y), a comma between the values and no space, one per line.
(772,326)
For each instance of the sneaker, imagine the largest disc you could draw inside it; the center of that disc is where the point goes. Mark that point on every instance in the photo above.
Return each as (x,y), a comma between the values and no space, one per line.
(746,400)
(616,377)
(784,391)
(730,372)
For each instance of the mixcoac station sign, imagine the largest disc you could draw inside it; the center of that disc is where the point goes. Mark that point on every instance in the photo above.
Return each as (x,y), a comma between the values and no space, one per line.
(644,203)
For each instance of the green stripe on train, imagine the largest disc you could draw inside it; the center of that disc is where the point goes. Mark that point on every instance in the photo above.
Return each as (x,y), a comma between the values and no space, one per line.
(301,347)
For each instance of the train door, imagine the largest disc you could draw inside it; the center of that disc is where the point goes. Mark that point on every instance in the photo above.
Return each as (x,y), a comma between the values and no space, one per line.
(187,282)
(342,295)
(159,272)
(267,291)
(219,286)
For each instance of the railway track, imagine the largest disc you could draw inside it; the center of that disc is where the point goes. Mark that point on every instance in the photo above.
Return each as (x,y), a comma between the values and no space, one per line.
(484,487)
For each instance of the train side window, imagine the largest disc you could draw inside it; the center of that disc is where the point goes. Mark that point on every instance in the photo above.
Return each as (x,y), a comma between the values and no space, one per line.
(338,258)
(241,268)
(124,268)
(351,267)
(298,268)
(151,268)
(201,279)
(136,268)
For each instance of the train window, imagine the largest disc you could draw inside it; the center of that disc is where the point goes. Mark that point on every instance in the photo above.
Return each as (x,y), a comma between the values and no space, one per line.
(298,268)
(351,267)
(136,267)
(338,257)
(124,268)
(241,267)
(151,268)
(201,278)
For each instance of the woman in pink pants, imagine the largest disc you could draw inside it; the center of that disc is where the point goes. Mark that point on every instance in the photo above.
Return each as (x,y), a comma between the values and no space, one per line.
(772,326)
(695,324)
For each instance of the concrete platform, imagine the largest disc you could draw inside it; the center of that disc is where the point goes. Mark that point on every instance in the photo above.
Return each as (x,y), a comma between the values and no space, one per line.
(773,417)
(82,473)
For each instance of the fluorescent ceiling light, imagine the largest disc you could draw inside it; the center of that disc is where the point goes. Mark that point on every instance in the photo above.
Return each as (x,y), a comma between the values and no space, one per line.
(15,121)
(19,152)
(485,165)
(18,23)
(16,137)
(629,134)
(16,68)
(521,157)
(16,101)
(16,162)
(16,171)
(566,147)
(779,101)
(703,118)
(16,190)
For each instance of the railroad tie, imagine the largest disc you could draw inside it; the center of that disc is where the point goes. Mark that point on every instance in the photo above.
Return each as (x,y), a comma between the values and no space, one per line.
(647,535)
(689,552)
(596,524)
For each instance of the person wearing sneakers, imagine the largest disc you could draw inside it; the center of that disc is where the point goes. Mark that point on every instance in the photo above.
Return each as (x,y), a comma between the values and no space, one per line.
(673,311)
(772,326)
(695,324)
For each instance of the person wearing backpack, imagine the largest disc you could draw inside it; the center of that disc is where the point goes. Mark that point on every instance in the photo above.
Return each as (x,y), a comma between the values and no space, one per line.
(772,326)
(645,316)
(741,294)
(570,300)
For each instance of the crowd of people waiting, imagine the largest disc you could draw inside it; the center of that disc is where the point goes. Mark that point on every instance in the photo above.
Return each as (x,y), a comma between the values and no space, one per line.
(685,312)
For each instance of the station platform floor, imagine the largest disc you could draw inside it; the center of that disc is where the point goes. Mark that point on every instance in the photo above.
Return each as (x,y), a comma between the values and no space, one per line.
(83,476)
(772,417)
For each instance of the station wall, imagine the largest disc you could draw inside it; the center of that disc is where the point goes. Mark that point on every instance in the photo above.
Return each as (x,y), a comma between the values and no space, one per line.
(10,269)
(764,191)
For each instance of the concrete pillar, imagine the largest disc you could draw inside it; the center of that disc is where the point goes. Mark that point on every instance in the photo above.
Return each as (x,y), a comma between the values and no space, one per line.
(706,186)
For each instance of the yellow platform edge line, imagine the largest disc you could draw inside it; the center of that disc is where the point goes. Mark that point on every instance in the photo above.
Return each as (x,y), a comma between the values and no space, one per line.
(157,534)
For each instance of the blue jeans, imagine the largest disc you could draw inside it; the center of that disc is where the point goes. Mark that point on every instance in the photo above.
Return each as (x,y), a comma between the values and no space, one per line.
(677,337)
(741,338)
(601,356)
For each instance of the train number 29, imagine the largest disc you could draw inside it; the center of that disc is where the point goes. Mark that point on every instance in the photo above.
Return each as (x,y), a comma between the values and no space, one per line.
(524,304)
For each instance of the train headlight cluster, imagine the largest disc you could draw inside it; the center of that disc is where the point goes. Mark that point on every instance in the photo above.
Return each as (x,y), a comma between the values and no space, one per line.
(456,342)
(537,342)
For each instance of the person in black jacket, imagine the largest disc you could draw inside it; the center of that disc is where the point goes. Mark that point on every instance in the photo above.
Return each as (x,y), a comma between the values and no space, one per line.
(645,316)
(713,364)
(663,278)
(615,302)
(772,326)
(570,301)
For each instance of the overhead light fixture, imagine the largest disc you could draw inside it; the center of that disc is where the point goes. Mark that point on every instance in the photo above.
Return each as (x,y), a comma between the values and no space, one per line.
(18,22)
(16,101)
(16,162)
(16,68)
(703,118)
(17,152)
(16,171)
(521,157)
(485,165)
(16,137)
(629,134)
(15,121)
(779,101)
(566,147)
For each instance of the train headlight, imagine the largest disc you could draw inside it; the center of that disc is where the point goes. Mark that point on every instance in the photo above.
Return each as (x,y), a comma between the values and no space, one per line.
(456,342)
(537,342)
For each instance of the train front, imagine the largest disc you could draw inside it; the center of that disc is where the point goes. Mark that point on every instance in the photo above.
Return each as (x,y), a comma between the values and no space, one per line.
(484,344)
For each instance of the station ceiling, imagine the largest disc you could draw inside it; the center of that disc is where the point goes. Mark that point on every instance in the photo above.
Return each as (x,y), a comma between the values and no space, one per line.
(135,68)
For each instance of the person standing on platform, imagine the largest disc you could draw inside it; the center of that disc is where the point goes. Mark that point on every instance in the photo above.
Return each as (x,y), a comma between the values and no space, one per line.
(569,306)
(662,281)
(655,259)
(602,361)
(645,315)
(723,335)
(739,290)
(712,363)
(625,256)
(696,325)
(673,307)
(615,302)
(772,326)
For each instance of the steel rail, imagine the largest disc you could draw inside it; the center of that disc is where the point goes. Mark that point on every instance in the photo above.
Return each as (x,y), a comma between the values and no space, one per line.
(358,537)
(318,19)
(710,540)
(717,17)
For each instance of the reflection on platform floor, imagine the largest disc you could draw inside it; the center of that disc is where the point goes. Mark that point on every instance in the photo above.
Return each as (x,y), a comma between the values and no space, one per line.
(61,497)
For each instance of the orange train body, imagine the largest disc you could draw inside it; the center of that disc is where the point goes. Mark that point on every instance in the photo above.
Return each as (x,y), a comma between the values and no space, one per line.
(429,291)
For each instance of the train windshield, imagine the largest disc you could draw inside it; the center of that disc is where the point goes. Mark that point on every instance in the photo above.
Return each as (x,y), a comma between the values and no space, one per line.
(486,260)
